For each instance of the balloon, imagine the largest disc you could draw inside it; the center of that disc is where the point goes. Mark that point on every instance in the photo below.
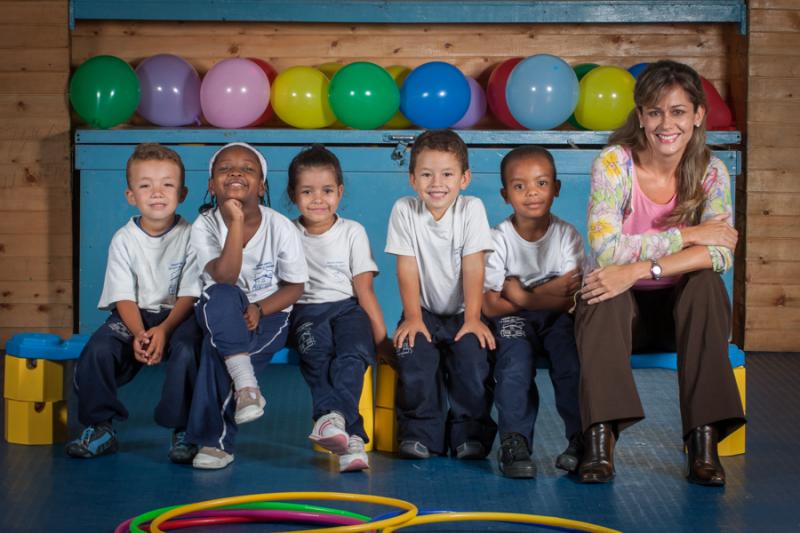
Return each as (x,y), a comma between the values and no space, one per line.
(542,92)
(234,93)
(637,69)
(330,69)
(104,91)
(271,73)
(363,95)
(580,71)
(606,98)
(170,91)
(399,73)
(496,93)
(300,98)
(435,95)
(477,106)
(718,114)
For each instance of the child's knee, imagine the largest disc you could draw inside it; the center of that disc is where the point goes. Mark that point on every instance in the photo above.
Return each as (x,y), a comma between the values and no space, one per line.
(224,295)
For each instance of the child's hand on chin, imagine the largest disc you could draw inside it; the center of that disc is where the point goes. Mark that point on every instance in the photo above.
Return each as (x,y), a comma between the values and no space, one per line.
(232,209)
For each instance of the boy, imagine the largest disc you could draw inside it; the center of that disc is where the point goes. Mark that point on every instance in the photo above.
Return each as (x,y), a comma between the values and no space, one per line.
(440,239)
(531,280)
(150,287)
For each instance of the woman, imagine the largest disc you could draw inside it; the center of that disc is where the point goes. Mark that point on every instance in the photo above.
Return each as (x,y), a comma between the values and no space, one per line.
(660,231)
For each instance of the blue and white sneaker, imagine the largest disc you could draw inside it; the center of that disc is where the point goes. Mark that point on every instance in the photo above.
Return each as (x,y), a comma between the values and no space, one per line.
(94,442)
(181,452)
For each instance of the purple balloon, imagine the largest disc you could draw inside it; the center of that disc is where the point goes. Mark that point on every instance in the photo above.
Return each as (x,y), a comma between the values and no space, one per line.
(477,106)
(234,93)
(170,91)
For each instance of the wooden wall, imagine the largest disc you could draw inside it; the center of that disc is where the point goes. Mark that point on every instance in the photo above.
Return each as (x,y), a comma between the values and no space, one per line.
(35,169)
(773,178)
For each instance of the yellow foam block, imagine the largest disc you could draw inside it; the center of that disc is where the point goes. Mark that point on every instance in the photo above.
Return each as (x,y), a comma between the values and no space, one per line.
(387,385)
(385,430)
(33,380)
(734,444)
(35,422)
(366,407)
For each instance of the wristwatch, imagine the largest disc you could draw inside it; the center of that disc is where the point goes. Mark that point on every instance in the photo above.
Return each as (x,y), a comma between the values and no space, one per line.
(655,270)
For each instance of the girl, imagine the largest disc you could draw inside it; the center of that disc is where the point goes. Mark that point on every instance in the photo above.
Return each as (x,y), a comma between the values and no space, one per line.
(337,323)
(253,270)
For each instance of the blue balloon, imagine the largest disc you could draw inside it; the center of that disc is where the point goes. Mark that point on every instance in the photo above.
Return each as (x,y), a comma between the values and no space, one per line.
(542,92)
(435,95)
(637,69)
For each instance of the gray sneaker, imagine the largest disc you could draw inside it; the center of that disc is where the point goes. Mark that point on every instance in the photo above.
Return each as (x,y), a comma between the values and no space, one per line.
(471,449)
(181,452)
(249,405)
(413,449)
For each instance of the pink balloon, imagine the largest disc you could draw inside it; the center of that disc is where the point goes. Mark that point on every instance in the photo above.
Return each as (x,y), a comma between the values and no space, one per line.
(477,106)
(234,93)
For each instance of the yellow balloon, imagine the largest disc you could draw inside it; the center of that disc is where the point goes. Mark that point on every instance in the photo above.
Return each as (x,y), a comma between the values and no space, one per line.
(329,69)
(605,99)
(398,121)
(300,98)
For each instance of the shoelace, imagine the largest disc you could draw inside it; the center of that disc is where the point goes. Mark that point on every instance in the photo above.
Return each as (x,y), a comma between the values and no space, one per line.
(180,438)
(86,436)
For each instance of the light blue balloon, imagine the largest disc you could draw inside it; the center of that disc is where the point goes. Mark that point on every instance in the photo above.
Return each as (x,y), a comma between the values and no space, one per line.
(542,92)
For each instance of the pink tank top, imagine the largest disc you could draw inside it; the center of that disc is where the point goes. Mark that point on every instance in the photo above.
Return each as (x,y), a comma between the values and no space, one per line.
(641,219)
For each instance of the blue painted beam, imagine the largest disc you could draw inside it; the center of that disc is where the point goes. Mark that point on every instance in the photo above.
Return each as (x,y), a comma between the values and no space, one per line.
(419,11)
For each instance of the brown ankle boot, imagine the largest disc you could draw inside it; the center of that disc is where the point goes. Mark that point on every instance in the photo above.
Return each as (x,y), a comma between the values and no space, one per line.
(704,465)
(597,465)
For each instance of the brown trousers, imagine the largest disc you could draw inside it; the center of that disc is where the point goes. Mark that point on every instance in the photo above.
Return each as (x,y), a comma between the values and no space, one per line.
(692,318)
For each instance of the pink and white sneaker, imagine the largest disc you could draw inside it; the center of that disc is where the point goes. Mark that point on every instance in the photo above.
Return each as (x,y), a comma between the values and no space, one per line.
(356,458)
(329,433)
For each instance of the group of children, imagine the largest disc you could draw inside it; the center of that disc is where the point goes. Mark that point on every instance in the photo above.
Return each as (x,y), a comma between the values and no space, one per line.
(216,299)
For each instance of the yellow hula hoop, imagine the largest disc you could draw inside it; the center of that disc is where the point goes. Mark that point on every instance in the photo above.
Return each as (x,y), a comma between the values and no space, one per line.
(500,517)
(409,514)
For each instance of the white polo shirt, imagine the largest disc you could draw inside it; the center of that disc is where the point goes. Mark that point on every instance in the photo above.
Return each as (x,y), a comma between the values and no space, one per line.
(438,246)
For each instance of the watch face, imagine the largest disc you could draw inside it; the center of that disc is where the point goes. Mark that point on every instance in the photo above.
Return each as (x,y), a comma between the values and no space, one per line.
(655,271)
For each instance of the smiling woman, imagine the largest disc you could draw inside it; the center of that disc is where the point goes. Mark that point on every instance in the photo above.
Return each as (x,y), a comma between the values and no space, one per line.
(660,230)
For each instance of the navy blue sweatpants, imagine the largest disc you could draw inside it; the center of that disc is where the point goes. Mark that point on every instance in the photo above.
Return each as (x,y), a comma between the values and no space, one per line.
(221,314)
(442,396)
(107,362)
(336,346)
(520,338)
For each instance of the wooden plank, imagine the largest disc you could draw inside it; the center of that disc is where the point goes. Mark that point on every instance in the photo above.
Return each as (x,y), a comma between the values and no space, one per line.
(49,244)
(774,89)
(768,317)
(54,221)
(37,198)
(7,333)
(773,226)
(34,60)
(772,340)
(755,5)
(34,268)
(34,82)
(773,295)
(774,43)
(768,203)
(770,249)
(35,129)
(50,150)
(33,292)
(44,12)
(783,180)
(36,315)
(53,106)
(763,270)
(772,158)
(774,20)
(27,36)
(778,135)
(771,66)
(772,112)
(18,179)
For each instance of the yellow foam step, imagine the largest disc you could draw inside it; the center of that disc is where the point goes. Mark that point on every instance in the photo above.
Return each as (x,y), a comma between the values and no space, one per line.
(734,444)
(33,380)
(35,422)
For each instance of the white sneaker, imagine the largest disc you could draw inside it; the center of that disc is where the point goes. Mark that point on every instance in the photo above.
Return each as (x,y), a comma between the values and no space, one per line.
(208,458)
(249,405)
(329,433)
(356,458)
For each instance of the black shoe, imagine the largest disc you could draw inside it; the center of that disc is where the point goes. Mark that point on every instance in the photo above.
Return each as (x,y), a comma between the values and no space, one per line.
(413,449)
(571,457)
(597,465)
(470,449)
(181,452)
(513,457)
(704,465)
(94,441)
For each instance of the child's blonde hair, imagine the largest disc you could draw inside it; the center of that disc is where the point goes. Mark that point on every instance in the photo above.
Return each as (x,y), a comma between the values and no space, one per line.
(154,152)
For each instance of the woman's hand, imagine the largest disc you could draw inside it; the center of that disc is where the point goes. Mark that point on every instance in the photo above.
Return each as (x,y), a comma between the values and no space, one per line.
(607,282)
(713,232)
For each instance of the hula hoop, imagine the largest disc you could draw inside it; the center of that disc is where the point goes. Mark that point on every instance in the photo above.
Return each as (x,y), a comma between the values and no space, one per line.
(411,509)
(516,518)
(208,521)
(132,524)
(206,518)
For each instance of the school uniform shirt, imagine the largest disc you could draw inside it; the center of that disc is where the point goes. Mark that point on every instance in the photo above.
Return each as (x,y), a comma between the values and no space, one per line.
(334,258)
(272,255)
(557,252)
(438,246)
(151,271)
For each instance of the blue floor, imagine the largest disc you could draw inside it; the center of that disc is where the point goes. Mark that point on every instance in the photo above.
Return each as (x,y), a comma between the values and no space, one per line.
(42,490)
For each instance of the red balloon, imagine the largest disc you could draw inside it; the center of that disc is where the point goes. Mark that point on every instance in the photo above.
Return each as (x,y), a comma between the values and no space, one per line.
(718,114)
(496,92)
(271,73)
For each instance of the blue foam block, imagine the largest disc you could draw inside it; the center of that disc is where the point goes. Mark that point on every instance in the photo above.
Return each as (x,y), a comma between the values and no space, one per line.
(669,360)
(45,346)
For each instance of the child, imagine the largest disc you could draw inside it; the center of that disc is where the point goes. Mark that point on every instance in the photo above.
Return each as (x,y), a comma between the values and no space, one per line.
(253,270)
(337,323)
(530,283)
(150,287)
(439,239)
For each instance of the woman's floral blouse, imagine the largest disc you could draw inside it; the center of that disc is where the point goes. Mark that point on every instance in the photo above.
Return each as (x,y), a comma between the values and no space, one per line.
(609,205)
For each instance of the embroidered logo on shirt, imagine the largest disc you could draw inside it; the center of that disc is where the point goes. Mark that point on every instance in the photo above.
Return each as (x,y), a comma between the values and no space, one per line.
(263,275)
(512,327)
(305,339)
(175,270)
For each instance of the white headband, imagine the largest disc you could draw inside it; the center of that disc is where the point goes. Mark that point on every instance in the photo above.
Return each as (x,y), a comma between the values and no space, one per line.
(243,145)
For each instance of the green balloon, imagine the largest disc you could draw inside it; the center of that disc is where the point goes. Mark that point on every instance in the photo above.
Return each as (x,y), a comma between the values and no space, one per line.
(580,70)
(104,91)
(363,95)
